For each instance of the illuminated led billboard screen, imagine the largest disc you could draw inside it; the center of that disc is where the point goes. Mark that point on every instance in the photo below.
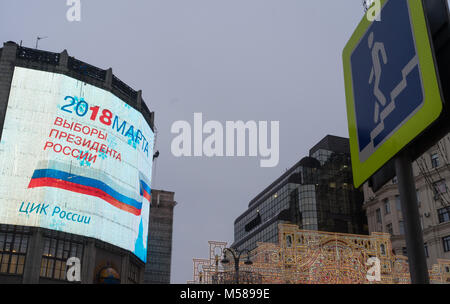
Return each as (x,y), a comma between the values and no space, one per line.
(75,158)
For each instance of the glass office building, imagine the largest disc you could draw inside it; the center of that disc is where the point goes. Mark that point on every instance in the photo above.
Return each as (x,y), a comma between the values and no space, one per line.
(316,194)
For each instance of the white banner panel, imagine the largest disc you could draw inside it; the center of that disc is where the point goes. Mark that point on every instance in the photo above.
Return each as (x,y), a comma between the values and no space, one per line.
(75,158)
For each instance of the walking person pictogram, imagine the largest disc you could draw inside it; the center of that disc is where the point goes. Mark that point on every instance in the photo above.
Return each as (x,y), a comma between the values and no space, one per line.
(378,53)
(384,107)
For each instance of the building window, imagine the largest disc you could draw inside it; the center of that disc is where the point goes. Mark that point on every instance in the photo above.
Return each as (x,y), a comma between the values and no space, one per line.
(254,222)
(387,206)
(389,229)
(444,215)
(378,214)
(133,274)
(395,180)
(426,250)
(435,160)
(56,253)
(13,249)
(402,227)
(446,242)
(440,187)
(404,251)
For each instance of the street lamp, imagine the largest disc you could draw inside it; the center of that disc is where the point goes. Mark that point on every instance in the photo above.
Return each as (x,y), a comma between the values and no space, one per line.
(237,256)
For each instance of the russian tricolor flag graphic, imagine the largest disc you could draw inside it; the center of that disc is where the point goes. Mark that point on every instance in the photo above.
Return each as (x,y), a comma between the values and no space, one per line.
(145,190)
(90,186)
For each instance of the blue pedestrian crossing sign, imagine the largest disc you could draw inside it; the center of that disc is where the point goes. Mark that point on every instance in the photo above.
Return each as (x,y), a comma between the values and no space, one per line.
(391,83)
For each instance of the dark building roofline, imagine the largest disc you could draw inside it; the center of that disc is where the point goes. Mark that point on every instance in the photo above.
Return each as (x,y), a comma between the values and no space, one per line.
(164,202)
(286,174)
(62,63)
(329,142)
(163,191)
(332,143)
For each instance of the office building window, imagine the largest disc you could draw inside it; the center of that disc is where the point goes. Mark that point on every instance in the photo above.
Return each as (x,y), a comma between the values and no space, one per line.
(389,229)
(401,225)
(446,242)
(426,250)
(378,214)
(387,206)
(444,215)
(435,160)
(56,253)
(13,249)
(404,251)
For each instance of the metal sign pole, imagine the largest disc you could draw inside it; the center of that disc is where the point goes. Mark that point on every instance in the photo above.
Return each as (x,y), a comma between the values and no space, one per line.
(413,231)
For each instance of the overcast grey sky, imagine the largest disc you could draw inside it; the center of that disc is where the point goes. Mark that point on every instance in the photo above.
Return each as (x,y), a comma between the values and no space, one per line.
(229,59)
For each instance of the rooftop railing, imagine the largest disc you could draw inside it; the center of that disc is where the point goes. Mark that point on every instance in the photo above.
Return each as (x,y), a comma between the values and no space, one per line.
(38,56)
(86,69)
(83,69)
(123,87)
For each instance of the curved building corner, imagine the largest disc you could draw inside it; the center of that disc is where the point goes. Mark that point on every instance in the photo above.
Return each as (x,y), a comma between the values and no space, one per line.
(68,205)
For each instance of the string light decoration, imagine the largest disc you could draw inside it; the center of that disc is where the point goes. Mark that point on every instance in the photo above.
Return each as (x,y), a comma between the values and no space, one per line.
(314,257)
